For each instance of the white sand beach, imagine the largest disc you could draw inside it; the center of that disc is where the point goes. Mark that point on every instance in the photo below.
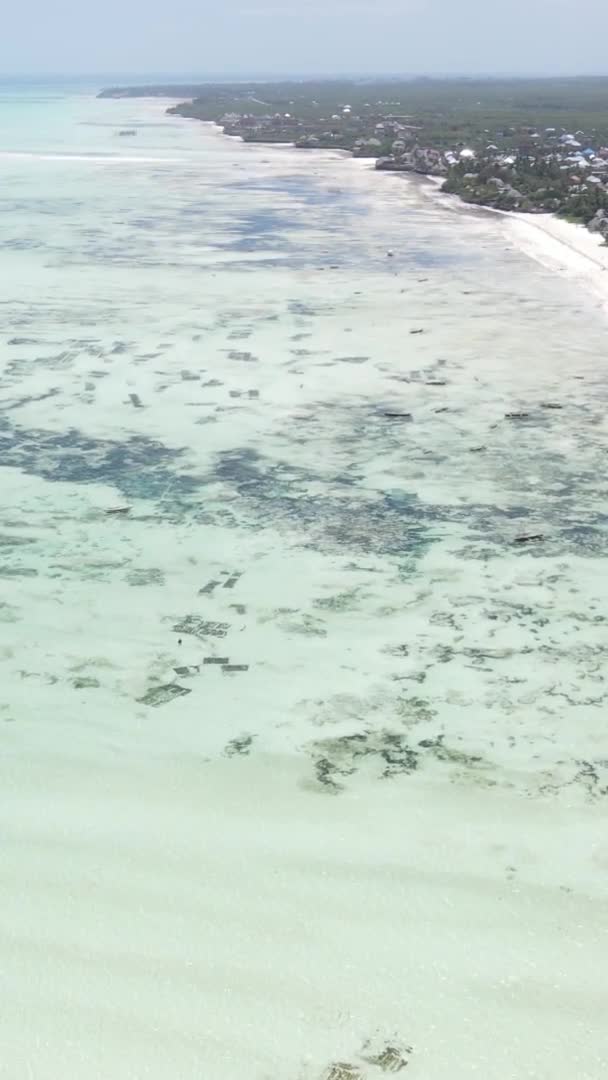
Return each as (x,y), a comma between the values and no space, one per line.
(557,244)
(303,770)
(562,246)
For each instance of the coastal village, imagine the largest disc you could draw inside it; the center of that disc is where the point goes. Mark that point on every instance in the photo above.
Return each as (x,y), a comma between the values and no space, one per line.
(531,171)
(533,146)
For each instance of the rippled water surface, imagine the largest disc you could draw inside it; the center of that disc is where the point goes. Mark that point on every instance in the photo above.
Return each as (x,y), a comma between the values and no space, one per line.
(325,459)
(314,443)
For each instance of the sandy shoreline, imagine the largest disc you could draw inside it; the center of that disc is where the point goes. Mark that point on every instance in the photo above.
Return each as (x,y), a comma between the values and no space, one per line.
(562,246)
(556,244)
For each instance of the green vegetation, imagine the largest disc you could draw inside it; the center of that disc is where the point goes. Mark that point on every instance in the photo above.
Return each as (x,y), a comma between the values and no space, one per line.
(448,110)
(535,186)
(512,129)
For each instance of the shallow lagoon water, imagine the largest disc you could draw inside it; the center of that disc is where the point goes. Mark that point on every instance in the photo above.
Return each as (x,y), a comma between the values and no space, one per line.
(306,742)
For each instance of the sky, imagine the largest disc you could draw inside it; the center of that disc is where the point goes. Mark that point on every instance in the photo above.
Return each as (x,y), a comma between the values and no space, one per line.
(304,37)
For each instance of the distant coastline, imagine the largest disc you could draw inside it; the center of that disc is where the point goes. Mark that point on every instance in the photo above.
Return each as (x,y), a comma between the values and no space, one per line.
(480,173)
(495,143)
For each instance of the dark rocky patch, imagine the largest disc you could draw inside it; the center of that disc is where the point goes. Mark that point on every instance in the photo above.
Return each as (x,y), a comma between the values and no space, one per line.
(140,576)
(85,682)
(244,357)
(388,1056)
(208,589)
(276,494)
(187,672)
(241,746)
(529,538)
(18,571)
(341,757)
(231,581)
(138,467)
(161,695)
(345,601)
(8,541)
(200,628)
(29,399)
(389,752)
(298,307)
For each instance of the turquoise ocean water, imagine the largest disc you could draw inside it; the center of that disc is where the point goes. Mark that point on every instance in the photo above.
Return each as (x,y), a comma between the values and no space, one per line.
(315,578)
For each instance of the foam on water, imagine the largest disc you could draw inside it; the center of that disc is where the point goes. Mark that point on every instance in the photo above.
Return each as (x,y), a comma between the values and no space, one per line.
(94,159)
(317,590)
